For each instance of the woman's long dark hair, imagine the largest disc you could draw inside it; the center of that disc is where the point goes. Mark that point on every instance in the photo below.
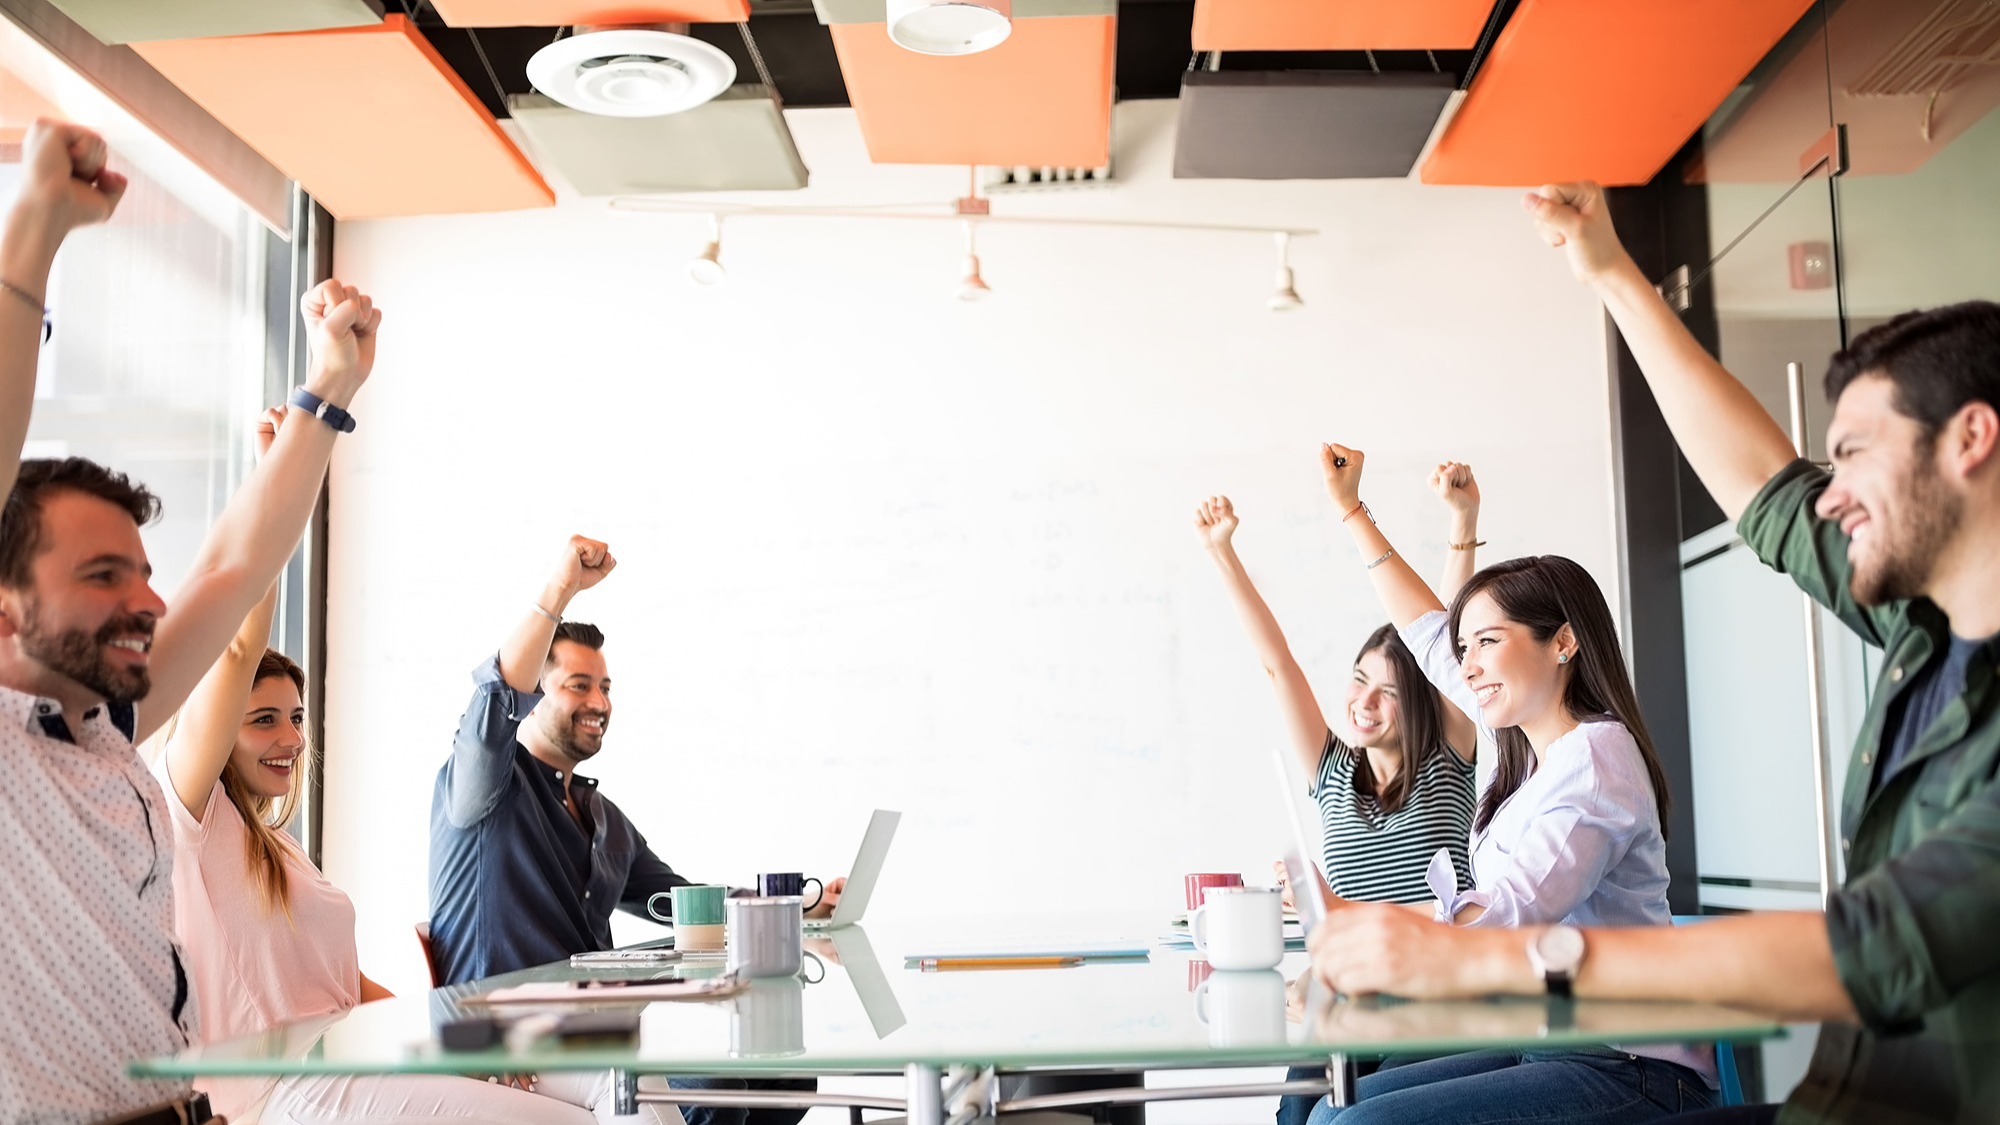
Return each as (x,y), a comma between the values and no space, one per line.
(1542,593)
(1420,720)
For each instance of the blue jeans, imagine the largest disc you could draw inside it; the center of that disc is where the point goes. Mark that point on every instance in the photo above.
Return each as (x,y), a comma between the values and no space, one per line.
(1578,1086)
(741,1115)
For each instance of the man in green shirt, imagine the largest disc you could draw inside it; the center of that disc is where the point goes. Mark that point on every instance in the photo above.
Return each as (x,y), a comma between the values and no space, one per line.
(1902,542)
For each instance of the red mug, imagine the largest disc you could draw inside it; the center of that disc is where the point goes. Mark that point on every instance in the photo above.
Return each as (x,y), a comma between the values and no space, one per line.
(1198,885)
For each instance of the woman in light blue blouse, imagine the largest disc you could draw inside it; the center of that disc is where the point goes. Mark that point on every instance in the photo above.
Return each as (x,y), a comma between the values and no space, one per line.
(1570,829)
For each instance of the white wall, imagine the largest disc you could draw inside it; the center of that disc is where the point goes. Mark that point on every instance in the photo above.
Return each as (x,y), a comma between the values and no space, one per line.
(880,547)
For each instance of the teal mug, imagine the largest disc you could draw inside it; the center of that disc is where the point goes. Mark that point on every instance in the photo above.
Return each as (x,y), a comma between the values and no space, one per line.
(697,916)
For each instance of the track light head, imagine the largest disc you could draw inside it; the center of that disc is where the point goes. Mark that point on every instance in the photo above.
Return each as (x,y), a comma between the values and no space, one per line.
(706,269)
(1285,296)
(972,287)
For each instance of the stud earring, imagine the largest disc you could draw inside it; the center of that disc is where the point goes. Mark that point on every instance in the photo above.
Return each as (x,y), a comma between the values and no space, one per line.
(1562,658)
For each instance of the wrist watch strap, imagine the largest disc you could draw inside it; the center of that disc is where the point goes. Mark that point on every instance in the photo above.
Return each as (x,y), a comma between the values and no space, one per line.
(332,415)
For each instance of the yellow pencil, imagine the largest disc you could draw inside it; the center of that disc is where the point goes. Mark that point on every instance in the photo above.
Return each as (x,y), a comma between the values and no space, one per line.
(937,964)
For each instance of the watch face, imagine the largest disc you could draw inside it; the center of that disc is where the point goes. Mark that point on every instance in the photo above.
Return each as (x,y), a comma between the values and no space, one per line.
(1561,948)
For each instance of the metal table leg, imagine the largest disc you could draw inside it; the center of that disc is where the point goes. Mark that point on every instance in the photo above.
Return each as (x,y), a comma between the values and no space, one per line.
(924,1096)
(1340,1080)
(624,1093)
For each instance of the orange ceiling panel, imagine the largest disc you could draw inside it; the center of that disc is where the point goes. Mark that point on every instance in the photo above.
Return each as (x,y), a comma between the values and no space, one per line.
(369,119)
(1338,25)
(1043,97)
(559,13)
(1585,89)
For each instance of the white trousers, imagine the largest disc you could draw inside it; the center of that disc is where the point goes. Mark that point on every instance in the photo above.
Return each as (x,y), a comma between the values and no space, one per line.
(562,1098)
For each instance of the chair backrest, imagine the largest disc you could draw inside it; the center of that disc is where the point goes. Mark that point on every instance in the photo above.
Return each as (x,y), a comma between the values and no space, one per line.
(1725,1051)
(430,958)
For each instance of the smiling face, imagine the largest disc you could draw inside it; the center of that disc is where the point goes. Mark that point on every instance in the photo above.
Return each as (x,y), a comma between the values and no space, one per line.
(576,701)
(89,611)
(271,743)
(1887,495)
(1516,677)
(1373,709)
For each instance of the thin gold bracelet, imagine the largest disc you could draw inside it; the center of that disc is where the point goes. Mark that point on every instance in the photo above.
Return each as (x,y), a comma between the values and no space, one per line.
(33,301)
(1468,546)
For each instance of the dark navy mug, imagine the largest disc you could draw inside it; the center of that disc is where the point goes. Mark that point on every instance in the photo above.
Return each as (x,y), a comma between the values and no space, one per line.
(777,883)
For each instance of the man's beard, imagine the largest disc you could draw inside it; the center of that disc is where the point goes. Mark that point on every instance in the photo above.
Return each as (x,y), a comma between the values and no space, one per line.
(563,733)
(80,655)
(1905,554)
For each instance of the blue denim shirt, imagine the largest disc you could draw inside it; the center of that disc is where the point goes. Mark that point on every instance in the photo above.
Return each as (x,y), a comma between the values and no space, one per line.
(515,880)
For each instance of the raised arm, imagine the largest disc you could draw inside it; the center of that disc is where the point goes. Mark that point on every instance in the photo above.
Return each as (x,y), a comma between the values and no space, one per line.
(258,530)
(583,564)
(1454,484)
(1399,587)
(1305,724)
(205,733)
(508,685)
(64,185)
(1731,441)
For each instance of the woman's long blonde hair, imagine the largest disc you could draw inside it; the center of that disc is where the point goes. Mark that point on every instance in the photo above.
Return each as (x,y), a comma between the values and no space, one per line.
(265,845)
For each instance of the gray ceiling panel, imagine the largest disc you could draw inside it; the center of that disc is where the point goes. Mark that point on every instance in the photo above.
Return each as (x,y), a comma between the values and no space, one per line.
(738,142)
(143,21)
(1305,125)
(876,11)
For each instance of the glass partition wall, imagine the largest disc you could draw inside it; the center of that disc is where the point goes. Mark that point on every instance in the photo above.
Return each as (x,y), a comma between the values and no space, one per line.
(1852,176)
(169,328)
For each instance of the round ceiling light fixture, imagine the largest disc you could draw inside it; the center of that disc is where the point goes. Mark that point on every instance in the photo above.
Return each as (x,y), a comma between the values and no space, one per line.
(950,27)
(631,72)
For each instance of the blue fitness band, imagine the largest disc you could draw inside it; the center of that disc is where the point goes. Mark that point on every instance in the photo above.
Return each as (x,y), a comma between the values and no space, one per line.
(332,415)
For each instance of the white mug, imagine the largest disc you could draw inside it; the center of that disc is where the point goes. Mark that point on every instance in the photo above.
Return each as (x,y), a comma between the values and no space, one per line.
(1239,928)
(1242,1008)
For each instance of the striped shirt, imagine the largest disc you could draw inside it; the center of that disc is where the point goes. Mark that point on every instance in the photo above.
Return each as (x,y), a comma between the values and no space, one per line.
(1376,856)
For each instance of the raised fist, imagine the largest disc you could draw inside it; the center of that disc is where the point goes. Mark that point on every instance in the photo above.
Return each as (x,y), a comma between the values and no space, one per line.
(267,429)
(64,181)
(1342,468)
(1215,521)
(341,322)
(1453,483)
(1576,218)
(584,564)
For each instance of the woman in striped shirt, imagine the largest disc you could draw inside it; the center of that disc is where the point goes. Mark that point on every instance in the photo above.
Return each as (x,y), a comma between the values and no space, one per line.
(1395,782)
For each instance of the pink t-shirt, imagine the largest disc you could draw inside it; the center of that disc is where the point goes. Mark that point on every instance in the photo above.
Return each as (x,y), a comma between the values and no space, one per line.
(252,968)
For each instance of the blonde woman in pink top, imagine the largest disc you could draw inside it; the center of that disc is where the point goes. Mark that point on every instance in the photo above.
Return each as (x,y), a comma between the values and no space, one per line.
(268,940)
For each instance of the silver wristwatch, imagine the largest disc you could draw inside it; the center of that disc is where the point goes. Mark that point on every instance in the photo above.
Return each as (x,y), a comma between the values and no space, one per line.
(1556,954)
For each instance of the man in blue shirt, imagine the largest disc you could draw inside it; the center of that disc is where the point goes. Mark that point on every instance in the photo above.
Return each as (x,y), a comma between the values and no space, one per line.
(528,860)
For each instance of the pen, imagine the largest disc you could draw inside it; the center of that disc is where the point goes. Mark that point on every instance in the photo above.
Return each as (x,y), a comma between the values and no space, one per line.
(935,964)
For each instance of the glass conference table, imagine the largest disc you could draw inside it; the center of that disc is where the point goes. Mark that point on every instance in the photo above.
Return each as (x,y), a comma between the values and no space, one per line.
(859,1008)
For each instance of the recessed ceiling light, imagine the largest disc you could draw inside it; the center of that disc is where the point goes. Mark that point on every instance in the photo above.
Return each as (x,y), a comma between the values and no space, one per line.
(950,27)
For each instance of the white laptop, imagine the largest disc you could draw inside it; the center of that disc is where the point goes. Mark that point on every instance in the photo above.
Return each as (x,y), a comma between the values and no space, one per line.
(861,878)
(1299,868)
(871,984)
